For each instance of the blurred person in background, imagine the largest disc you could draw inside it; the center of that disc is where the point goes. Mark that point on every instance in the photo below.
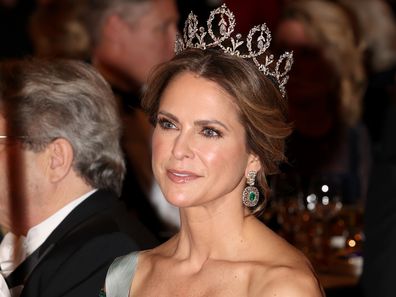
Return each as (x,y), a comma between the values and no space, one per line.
(377,28)
(325,93)
(56,30)
(62,170)
(127,39)
(124,40)
(379,267)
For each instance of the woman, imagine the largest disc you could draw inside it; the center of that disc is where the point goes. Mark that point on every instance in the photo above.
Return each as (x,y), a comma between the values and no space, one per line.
(219,123)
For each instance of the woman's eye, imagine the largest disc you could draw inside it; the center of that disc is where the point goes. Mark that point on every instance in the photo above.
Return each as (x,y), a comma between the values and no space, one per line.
(211,133)
(166,124)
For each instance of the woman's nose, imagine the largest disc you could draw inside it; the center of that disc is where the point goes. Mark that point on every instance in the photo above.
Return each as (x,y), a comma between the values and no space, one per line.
(182,147)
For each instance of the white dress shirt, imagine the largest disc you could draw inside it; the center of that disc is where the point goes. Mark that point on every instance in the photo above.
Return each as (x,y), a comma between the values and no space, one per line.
(14,249)
(4,291)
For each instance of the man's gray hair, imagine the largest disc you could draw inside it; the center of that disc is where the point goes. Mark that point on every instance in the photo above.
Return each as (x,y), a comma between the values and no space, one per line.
(43,100)
(96,12)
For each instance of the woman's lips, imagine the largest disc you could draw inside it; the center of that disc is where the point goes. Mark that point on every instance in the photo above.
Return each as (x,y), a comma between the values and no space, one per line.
(181,177)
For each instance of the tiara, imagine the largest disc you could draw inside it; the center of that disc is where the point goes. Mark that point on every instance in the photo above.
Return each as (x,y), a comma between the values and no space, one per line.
(257,42)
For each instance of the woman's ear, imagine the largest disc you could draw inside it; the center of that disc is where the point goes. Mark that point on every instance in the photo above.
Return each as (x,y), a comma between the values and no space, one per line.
(61,157)
(254,164)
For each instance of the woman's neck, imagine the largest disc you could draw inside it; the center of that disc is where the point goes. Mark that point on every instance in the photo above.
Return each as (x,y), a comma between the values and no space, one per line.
(207,234)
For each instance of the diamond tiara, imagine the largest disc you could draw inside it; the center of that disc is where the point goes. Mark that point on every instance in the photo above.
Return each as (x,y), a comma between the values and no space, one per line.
(257,42)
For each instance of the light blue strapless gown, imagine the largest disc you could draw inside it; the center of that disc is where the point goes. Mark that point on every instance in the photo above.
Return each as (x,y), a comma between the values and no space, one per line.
(120,275)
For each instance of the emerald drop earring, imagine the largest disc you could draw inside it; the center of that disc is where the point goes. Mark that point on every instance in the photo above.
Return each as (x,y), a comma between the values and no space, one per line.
(250,195)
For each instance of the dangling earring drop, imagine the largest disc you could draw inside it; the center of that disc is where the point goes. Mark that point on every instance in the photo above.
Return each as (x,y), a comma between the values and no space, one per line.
(250,195)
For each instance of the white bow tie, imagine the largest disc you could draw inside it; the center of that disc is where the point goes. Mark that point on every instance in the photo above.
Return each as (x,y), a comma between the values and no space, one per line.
(12,253)
(4,291)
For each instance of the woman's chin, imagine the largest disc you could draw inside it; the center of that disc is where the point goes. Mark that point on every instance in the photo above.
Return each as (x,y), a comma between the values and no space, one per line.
(178,199)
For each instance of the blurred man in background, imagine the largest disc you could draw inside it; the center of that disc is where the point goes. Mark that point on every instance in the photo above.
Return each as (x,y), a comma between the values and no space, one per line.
(62,170)
(128,38)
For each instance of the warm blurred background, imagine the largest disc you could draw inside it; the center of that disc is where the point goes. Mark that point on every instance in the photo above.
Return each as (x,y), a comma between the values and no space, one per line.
(334,198)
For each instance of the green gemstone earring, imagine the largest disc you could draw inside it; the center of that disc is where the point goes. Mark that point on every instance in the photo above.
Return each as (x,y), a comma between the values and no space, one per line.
(250,195)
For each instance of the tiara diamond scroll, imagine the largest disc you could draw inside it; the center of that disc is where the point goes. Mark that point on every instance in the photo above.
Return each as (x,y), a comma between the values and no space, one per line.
(256,44)
(250,195)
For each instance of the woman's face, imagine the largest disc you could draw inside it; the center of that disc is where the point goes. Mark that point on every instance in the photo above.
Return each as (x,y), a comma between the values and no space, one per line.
(199,146)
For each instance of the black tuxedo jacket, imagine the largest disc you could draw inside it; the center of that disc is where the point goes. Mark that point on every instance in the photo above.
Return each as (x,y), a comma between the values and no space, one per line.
(379,269)
(74,259)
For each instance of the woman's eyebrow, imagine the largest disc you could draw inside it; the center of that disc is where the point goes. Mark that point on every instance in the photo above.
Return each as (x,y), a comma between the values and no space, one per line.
(198,122)
(210,122)
(169,115)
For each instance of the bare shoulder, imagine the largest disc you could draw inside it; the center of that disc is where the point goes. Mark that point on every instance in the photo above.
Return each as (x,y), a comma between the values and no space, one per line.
(290,275)
(282,270)
(286,281)
(148,258)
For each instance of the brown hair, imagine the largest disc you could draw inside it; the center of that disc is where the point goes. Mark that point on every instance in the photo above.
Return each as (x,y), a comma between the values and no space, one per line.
(261,106)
